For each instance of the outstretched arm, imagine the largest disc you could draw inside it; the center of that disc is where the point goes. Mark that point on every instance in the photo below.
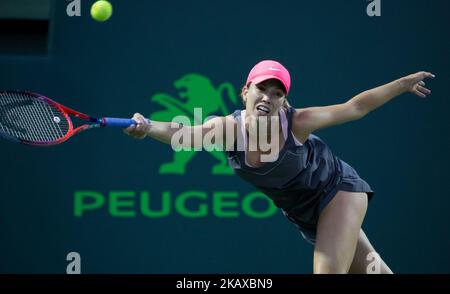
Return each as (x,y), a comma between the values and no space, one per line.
(308,120)
(164,131)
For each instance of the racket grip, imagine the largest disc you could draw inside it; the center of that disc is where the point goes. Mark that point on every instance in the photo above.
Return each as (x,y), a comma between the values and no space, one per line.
(117,122)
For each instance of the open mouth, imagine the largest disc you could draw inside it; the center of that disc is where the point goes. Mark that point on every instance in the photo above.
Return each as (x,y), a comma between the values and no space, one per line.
(262,108)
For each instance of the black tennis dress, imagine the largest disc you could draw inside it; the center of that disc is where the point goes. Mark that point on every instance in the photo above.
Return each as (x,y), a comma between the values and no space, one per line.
(304,178)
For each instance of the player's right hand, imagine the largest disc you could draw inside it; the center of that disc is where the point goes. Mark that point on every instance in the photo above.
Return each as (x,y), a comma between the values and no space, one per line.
(141,129)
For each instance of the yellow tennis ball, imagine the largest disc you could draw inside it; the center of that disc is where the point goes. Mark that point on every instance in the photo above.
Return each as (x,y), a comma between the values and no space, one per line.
(101,10)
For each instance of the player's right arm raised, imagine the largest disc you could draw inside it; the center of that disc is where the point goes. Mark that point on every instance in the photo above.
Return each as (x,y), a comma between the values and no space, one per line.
(165,131)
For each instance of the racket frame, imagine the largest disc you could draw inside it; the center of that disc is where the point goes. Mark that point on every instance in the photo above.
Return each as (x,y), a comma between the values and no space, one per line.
(66,111)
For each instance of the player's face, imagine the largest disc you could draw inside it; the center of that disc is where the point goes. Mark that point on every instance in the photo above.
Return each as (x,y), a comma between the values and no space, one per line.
(265,98)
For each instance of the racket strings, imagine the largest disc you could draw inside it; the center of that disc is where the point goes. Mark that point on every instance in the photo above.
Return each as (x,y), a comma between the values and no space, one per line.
(24,117)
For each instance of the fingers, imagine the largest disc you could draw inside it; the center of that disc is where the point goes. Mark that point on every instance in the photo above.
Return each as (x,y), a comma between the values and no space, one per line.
(417,85)
(419,76)
(425,75)
(420,94)
(140,129)
(130,129)
(421,91)
(139,118)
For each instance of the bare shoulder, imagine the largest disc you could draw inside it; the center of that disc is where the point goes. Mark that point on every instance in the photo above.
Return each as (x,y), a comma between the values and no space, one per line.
(300,124)
(230,119)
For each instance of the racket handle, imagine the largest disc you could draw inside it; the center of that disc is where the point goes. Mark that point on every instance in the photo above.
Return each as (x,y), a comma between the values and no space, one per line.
(117,122)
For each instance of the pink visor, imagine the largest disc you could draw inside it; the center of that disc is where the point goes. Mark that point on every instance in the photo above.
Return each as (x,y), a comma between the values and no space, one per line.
(270,69)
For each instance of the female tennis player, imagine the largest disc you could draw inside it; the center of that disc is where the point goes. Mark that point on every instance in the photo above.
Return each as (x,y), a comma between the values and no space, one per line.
(320,193)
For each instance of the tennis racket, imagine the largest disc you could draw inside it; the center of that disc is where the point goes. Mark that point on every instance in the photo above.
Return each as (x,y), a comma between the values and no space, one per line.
(33,119)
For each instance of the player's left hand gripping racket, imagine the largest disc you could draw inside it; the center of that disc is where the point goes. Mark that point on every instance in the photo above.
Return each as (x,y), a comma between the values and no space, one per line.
(33,119)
